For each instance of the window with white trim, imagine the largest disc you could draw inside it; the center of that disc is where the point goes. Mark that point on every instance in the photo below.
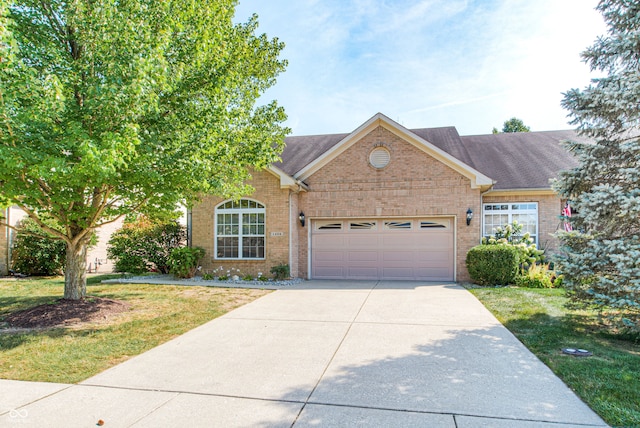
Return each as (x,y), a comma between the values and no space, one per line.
(240,230)
(499,214)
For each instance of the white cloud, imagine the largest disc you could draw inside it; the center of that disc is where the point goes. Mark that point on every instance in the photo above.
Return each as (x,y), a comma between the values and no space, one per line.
(470,64)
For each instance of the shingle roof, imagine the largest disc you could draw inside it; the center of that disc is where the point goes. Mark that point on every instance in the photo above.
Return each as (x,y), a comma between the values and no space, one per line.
(301,151)
(523,160)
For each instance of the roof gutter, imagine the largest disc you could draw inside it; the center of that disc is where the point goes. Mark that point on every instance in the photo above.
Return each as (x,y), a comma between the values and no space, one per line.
(544,191)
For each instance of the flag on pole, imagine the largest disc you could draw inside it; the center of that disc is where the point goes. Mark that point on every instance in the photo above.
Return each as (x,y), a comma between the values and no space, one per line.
(566,215)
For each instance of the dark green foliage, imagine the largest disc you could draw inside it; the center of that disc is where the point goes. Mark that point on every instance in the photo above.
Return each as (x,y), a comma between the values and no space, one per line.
(144,245)
(35,252)
(281,272)
(183,262)
(512,125)
(493,264)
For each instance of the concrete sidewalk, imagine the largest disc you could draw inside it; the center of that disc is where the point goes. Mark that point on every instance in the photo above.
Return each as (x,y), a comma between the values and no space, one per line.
(325,353)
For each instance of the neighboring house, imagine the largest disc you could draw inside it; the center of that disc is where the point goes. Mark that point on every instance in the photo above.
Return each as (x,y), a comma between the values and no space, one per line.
(97,260)
(12,216)
(385,202)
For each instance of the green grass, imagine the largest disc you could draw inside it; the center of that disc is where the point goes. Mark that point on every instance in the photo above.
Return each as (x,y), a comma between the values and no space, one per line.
(158,313)
(609,381)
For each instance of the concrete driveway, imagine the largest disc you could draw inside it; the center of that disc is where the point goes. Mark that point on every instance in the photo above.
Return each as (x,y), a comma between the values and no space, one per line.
(324,353)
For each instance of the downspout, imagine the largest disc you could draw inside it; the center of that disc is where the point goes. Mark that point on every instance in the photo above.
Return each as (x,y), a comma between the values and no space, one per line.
(290,232)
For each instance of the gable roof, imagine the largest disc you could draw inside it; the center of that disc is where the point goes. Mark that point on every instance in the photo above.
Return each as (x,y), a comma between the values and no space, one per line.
(478,179)
(509,161)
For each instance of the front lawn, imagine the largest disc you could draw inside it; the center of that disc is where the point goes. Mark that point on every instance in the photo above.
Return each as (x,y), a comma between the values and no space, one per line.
(608,381)
(73,353)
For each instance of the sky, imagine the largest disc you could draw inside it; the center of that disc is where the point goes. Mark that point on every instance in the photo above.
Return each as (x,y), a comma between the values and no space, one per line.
(471,64)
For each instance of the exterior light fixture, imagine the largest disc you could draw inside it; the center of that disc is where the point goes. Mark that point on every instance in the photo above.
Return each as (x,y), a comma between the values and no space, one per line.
(301,217)
(469,216)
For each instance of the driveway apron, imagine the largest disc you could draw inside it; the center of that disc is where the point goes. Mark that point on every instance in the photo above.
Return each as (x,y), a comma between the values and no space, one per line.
(324,353)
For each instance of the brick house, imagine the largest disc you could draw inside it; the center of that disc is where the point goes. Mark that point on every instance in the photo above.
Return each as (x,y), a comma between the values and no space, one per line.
(385,202)
(97,260)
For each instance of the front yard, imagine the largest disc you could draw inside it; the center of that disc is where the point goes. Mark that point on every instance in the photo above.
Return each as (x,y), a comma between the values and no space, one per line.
(608,381)
(78,350)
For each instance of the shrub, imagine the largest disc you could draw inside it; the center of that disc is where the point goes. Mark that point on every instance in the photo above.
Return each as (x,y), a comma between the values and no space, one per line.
(511,234)
(281,272)
(142,245)
(35,252)
(493,264)
(537,276)
(183,262)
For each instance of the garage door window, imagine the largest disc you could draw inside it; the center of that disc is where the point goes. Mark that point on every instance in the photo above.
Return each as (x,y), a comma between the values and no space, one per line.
(500,214)
(240,230)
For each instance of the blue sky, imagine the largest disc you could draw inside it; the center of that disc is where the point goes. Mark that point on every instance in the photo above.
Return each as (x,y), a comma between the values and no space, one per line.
(427,63)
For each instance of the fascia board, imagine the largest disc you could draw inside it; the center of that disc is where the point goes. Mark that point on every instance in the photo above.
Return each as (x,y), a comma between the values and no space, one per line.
(286,181)
(521,192)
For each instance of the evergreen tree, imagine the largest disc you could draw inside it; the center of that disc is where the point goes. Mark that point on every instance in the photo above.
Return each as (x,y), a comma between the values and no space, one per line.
(600,258)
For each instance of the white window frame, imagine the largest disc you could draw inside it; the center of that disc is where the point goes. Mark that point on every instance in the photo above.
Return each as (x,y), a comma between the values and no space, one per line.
(241,212)
(510,211)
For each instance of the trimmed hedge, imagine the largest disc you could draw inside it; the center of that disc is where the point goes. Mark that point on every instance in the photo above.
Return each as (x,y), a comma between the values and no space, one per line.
(493,264)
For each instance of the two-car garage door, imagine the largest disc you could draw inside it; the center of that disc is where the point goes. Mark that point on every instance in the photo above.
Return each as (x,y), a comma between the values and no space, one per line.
(409,249)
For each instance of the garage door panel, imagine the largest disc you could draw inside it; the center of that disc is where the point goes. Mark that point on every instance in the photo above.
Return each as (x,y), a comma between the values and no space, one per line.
(355,272)
(436,274)
(395,257)
(328,256)
(362,241)
(434,255)
(328,241)
(362,256)
(384,253)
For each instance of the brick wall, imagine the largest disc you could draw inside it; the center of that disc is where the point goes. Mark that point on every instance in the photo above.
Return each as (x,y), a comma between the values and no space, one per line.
(412,184)
(276,202)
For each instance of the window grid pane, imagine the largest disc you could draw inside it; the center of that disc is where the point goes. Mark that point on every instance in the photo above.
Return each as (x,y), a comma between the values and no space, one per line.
(240,230)
(498,215)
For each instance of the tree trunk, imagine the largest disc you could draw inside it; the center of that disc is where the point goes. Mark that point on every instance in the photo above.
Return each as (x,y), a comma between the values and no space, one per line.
(75,271)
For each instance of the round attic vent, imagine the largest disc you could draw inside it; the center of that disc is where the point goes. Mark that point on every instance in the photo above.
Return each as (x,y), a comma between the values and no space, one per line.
(379,157)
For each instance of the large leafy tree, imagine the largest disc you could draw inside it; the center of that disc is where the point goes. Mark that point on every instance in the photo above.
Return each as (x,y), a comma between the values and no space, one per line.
(108,108)
(512,125)
(601,256)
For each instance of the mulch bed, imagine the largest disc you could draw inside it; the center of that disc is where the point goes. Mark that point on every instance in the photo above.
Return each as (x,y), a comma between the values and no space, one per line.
(65,312)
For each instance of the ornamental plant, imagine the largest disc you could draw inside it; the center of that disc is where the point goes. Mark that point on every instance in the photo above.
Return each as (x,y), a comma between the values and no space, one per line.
(143,245)
(511,235)
(35,252)
(493,264)
(183,262)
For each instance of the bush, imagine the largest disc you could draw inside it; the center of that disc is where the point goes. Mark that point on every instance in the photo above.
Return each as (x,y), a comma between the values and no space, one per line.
(511,234)
(143,245)
(281,272)
(37,255)
(493,264)
(537,276)
(183,262)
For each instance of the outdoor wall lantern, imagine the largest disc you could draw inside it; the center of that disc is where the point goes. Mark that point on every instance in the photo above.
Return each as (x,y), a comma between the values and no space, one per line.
(301,217)
(469,216)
